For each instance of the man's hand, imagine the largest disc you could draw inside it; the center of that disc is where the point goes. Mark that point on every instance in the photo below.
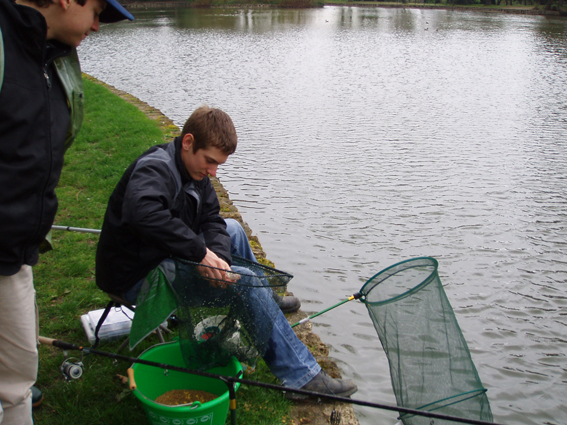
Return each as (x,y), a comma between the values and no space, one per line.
(217,278)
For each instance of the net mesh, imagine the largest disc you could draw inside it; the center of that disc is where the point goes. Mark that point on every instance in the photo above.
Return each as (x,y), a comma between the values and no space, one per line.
(218,323)
(430,364)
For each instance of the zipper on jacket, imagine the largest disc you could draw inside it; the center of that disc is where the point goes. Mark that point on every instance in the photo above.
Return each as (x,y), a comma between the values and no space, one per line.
(47,60)
(49,149)
(46,75)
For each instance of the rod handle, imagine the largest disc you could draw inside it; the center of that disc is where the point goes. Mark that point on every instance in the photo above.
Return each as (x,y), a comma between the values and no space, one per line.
(131,378)
(59,344)
(45,340)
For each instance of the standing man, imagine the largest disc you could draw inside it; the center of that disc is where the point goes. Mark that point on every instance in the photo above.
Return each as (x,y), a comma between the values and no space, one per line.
(164,207)
(41,110)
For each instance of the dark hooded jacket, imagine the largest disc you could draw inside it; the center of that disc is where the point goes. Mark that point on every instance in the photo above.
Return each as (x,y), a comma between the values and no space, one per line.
(157,211)
(41,109)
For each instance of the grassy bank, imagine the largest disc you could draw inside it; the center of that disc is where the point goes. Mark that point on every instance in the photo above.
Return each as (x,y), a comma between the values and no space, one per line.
(114,133)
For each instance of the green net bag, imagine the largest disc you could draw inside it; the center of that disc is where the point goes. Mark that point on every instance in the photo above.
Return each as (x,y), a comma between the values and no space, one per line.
(430,363)
(216,324)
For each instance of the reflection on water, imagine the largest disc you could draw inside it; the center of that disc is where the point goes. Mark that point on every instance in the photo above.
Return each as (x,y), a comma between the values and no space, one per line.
(369,136)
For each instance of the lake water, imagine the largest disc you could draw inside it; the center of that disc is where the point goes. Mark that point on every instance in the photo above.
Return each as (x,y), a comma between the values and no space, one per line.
(368,136)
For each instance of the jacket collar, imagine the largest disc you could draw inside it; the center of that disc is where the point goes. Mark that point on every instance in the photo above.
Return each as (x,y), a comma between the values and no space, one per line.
(185,177)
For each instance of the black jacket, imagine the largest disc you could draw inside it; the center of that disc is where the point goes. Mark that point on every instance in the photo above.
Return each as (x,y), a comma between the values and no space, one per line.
(157,211)
(34,121)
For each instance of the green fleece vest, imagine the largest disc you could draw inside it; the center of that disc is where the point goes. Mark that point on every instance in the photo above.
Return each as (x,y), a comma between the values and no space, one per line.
(69,72)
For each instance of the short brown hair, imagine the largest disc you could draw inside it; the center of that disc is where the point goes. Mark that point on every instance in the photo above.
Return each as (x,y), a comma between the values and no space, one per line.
(211,127)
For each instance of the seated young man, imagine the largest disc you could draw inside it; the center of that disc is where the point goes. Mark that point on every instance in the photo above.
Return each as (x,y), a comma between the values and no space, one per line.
(165,207)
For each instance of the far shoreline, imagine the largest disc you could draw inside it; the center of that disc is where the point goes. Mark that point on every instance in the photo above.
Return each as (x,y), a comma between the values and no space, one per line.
(518,10)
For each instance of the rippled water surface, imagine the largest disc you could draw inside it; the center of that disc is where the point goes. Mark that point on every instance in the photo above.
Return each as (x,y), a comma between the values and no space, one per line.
(369,136)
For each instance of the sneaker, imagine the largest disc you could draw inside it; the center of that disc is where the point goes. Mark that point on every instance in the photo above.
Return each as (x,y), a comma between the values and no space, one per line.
(324,384)
(37,397)
(288,304)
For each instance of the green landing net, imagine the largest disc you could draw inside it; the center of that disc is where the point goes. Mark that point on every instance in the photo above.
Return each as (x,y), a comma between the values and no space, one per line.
(430,364)
(216,324)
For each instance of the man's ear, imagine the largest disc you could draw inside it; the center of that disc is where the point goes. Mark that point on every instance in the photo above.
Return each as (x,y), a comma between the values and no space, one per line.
(63,3)
(187,142)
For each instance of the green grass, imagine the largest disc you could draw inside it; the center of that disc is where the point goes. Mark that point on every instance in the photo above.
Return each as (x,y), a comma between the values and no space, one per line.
(114,133)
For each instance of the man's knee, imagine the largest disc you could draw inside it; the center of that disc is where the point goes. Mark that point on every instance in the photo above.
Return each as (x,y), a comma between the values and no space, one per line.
(234,228)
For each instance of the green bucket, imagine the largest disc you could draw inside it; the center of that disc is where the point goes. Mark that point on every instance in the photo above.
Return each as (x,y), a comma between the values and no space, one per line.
(151,382)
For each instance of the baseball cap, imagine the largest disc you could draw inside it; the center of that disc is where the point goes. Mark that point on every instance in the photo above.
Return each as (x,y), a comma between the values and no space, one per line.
(114,12)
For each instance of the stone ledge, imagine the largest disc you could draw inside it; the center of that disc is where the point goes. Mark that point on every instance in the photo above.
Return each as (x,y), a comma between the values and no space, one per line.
(304,412)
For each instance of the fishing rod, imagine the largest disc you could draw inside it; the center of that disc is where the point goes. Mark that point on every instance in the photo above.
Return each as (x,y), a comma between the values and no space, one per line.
(75,229)
(230,381)
(356,296)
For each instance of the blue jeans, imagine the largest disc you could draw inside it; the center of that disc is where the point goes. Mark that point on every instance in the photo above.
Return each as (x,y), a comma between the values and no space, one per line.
(287,357)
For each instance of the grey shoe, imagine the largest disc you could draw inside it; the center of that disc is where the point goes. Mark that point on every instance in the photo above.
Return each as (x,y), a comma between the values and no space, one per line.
(324,384)
(287,304)
(290,304)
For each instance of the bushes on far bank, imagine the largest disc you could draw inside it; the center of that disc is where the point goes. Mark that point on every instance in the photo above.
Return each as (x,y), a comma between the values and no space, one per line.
(536,6)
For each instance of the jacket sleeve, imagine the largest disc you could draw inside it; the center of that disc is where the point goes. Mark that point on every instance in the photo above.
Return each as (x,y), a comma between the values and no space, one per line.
(147,209)
(213,225)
